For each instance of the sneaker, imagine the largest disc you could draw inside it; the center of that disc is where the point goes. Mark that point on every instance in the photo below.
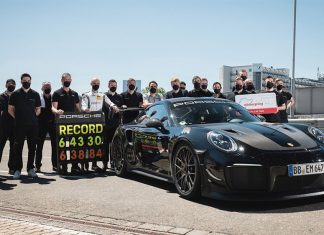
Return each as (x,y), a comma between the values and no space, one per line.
(38,170)
(11,172)
(17,174)
(32,173)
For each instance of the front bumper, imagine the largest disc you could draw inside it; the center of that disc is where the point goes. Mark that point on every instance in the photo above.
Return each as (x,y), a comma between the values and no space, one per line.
(266,181)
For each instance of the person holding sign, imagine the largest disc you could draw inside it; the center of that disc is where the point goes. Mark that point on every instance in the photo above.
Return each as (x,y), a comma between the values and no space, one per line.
(281,101)
(94,101)
(66,100)
(24,107)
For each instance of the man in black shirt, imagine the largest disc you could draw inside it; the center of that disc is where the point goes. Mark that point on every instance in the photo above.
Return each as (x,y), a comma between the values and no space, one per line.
(46,125)
(7,130)
(112,118)
(66,100)
(217,91)
(238,89)
(24,107)
(131,99)
(204,85)
(183,87)
(176,92)
(281,102)
(197,91)
(288,97)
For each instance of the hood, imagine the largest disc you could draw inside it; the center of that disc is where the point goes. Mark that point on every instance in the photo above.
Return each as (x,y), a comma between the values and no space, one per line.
(266,136)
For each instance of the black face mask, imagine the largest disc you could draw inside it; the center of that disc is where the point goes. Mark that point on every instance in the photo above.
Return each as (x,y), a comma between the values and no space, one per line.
(238,87)
(26,85)
(279,87)
(47,91)
(95,87)
(67,83)
(131,87)
(250,87)
(217,91)
(113,89)
(11,88)
(269,85)
(244,78)
(175,87)
(197,85)
(152,90)
(204,86)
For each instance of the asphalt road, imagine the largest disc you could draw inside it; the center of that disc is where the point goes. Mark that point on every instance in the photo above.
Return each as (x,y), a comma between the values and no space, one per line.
(142,199)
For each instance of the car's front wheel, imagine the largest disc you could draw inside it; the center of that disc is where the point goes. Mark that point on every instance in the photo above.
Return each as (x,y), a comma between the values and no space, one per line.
(118,157)
(186,172)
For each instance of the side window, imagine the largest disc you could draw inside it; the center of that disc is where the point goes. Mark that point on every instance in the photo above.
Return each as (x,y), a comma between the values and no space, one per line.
(157,111)
(160,113)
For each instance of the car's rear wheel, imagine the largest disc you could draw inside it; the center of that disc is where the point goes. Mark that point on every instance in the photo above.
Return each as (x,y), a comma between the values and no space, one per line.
(186,172)
(118,157)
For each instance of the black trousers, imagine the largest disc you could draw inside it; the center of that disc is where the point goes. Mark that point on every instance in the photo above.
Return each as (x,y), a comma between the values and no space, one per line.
(7,133)
(31,133)
(45,128)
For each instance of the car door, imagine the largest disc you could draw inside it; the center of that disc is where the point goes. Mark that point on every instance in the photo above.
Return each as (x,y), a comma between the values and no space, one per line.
(152,143)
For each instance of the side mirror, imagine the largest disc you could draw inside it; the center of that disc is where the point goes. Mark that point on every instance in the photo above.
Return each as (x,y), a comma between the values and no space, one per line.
(262,119)
(154,123)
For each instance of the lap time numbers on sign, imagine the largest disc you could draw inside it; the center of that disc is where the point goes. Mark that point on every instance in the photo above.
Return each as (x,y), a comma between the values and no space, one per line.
(80,138)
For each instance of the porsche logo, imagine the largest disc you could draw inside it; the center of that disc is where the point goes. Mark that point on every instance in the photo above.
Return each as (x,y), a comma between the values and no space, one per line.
(290,144)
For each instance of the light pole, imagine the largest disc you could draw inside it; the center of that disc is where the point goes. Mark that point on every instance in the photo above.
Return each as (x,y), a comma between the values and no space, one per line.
(293,88)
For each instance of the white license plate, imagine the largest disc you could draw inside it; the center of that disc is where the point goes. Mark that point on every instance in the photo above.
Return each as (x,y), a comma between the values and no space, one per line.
(306,169)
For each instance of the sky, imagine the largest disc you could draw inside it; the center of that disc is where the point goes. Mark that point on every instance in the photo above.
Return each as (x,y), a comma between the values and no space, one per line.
(154,39)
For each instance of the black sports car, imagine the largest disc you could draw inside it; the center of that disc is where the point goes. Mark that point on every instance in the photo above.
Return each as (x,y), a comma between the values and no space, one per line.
(216,148)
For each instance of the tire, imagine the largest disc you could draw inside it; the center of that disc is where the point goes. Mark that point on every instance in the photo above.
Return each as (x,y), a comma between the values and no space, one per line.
(118,157)
(186,172)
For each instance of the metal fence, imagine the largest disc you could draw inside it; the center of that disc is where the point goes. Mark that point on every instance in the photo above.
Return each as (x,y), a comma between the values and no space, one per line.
(309,100)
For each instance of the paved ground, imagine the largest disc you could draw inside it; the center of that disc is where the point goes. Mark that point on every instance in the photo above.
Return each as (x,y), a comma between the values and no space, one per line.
(106,204)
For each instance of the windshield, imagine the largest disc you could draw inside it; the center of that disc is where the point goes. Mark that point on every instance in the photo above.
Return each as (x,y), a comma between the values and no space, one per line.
(209,111)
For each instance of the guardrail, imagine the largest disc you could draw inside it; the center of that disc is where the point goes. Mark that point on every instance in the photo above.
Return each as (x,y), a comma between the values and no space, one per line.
(317,122)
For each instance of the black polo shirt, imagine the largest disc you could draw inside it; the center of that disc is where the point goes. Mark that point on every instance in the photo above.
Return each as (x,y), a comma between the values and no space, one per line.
(46,115)
(66,101)
(6,118)
(197,93)
(275,117)
(25,104)
(131,101)
(219,95)
(112,119)
(172,94)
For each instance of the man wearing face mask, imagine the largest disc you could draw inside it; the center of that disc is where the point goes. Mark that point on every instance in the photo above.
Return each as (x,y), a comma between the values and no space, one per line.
(183,89)
(204,85)
(66,100)
(249,86)
(46,126)
(176,92)
(217,91)
(152,97)
(24,107)
(197,91)
(111,118)
(93,101)
(288,97)
(131,99)
(281,102)
(7,130)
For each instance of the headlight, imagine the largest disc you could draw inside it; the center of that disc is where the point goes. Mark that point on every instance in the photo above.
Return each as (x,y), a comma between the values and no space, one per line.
(317,133)
(221,141)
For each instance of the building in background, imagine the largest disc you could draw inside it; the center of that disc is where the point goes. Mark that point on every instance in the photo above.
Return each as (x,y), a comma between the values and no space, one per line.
(138,85)
(256,72)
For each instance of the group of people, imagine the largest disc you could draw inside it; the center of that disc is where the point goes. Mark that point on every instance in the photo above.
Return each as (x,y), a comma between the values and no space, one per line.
(26,114)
